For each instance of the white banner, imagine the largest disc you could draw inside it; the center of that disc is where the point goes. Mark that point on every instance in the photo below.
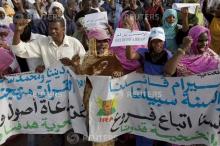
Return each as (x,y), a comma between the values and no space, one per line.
(96,20)
(191,6)
(50,102)
(126,37)
(180,110)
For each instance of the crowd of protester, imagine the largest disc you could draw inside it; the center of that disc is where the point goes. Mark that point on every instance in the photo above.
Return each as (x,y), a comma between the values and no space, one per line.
(37,35)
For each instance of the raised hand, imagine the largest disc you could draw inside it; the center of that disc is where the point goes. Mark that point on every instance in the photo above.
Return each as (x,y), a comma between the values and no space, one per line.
(187,42)
(40,69)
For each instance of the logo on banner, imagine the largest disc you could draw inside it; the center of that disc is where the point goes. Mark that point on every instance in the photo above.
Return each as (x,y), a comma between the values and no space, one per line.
(106,109)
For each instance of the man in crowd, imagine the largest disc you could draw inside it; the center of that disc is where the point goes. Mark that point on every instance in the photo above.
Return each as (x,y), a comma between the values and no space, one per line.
(50,49)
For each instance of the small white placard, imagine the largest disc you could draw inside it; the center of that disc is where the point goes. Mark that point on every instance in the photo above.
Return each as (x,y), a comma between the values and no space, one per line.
(126,37)
(96,20)
(191,6)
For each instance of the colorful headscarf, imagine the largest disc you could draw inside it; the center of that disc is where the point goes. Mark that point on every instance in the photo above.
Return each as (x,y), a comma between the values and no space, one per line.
(6,59)
(196,62)
(195,32)
(120,52)
(98,34)
(170,29)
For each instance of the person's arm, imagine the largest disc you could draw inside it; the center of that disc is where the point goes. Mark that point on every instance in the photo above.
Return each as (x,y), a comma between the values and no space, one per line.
(21,49)
(171,65)
(207,15)
(185,21)
(37,6)
(147,24)
(132,55)
(109,29)
(159,16)
(20,25)
(160,10)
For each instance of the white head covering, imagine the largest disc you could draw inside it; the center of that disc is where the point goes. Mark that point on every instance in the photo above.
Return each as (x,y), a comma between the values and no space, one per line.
(2,10)
(56,4)
(157,33)
(7,20)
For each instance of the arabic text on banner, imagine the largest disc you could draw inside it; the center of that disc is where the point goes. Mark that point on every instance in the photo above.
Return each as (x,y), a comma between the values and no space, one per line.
(180,110)
(42,103)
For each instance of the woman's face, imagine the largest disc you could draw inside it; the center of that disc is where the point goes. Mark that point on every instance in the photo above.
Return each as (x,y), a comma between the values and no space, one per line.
(4,32)
(170,19)
(157,45)
(102,47)
(128,21)
(57,11)
(2,15)
(202,42)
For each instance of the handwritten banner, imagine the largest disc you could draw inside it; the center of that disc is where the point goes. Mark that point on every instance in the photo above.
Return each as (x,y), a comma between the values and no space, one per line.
(96,20)
(191,6)
(42,103)
(126,37)
(180,110)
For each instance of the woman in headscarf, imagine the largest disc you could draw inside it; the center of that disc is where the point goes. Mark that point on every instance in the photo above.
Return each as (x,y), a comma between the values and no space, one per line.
(8,63)
(152,60)
(170,27)
(4,19)
(127,21)
(214,21)
(195,56)
(174,33)
(5,24)
(99,60)
(56,8)
(99,40)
